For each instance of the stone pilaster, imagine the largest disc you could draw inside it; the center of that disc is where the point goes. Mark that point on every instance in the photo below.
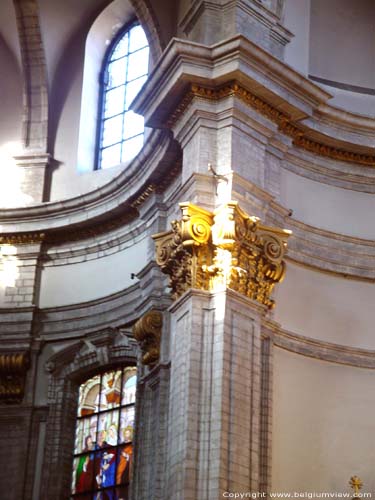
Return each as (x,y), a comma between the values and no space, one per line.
(208,22)
(34,158)
(19,295)
(34,175)
(222,267)
(151,434)
(35,88)
(214,442)
(19,265)
(152,407)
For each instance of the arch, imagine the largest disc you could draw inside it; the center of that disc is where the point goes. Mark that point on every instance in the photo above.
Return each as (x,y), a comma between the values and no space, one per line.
(103,450)
(112,349)
(107,27)
(125,70)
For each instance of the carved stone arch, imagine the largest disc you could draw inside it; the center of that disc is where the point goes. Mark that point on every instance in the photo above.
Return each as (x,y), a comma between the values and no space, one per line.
(67,370)
(147,17)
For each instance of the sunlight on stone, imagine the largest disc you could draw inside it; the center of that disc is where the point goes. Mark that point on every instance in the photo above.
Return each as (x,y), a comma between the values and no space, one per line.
(11,178)
(8,266)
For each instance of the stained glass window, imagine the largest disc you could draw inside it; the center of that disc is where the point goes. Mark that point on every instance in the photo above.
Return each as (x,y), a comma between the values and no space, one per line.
(126,69)
(103,449)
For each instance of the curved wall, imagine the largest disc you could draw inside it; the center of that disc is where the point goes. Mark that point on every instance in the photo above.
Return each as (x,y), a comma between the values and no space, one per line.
(297,20)
(342,41)
(322,421)
(328,207)
(64,31)
(81,282)
(333,42)
(356,102)
(326,307)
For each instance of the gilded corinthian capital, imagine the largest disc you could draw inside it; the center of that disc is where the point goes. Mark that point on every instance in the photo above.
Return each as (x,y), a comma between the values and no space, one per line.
(182,252)
(224,249)
(248,255)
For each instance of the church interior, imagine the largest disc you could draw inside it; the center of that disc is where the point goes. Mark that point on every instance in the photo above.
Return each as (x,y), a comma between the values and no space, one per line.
(187,249)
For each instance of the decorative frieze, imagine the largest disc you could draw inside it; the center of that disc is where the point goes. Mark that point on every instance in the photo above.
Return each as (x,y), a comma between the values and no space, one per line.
(285,124)
(224,249)
(147,332)
(21,238)
(13,368)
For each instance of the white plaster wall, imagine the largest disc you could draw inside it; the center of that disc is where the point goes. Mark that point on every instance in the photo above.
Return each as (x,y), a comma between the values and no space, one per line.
(326,307)
(8,28)
(74,63)
(297,20)
(2,294)
(64,28)
(328,207)
(76,283)
(362,104)
(322,425)
(342,45)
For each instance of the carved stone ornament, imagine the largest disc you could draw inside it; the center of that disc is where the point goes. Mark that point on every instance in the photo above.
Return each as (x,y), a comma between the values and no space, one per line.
(13,368)
(286,125)
(147,332)
(224,249)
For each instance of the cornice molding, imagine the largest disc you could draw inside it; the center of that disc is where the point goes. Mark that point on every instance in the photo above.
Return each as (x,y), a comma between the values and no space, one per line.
(74,321)
(184,63)
(101,209)
(319,249)
(98,348)
(111,241)
(298,133)
(99,318)
(326,251)
(22,238)
(297,105)
(121,308)
(318,349)
(326,171)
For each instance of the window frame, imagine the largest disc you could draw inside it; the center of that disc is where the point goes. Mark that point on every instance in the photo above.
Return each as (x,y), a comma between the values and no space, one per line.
(122,406)
(102,86)
(68,369)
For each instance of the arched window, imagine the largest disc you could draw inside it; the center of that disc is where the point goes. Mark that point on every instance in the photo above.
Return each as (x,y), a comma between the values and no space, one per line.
(104,433)
(125,71)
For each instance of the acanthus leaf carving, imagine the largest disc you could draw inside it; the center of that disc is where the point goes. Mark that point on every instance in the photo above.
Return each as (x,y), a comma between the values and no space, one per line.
(227,248)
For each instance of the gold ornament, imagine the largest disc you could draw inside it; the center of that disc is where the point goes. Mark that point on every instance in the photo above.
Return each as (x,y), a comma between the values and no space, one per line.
(13,368)
(147,332)
(356,485)
(224,249)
